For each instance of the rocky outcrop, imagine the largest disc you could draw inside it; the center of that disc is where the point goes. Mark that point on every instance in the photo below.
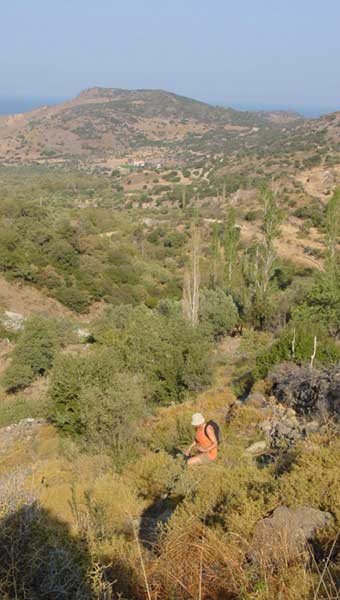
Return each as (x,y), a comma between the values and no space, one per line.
(282,426)
(12,321)
(312,393)
(282,537)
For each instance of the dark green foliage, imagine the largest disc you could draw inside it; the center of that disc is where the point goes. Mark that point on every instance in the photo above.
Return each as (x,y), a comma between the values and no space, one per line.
(299,350)
(110,418)
(217,311)
(172,355)
(140,356)
(321,307)
(314,212)
(176,239)
(62,254)
(68,377)
(47,241)
(33,354)
(74,298)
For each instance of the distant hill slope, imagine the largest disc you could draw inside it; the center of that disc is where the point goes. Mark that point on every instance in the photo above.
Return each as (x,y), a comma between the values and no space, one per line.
(154,125)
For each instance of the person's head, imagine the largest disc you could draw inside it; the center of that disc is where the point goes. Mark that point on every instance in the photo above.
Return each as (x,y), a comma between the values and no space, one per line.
(197,420)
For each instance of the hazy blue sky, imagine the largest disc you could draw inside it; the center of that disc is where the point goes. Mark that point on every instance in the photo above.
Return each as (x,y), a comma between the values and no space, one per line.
(274,52)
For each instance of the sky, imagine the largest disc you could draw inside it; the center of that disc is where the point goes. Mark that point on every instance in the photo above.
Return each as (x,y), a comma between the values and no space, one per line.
(281,53)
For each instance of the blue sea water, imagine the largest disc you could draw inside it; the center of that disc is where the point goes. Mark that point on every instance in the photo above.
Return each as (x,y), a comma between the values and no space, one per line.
(306,111)
(11,105)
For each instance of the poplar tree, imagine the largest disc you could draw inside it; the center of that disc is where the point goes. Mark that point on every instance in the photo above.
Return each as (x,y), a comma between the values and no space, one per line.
(192,280)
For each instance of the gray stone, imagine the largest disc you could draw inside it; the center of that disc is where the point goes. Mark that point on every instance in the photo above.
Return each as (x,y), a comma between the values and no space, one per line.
(257,447)
(266,426)
(256,400)
(312,427)
(83,334)
(12,320)
(283,536)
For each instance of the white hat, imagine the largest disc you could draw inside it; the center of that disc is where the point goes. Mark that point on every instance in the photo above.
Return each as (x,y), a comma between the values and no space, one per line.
(197,419)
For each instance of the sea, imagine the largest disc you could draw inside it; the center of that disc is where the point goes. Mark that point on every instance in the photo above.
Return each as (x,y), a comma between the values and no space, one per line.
(10,105)
(310,112)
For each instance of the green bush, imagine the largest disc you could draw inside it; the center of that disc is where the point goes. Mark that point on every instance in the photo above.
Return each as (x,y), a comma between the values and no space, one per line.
(73,298)
(68,376)
(110,418)
(173,356)
(218,311)
(34,353)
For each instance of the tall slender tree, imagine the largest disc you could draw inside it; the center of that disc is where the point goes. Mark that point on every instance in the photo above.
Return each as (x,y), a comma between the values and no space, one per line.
(231,241)
(259,263)
(216,255)
(332,234)
(192,280)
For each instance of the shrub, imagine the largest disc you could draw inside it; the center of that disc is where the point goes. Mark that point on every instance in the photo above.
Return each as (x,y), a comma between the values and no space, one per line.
(34,353)
(71,375)
(109,419)
(313,479)
(218,311)
(63,255)
(68,376)
(73,298)
(154,474)
(112,505)
(173,356)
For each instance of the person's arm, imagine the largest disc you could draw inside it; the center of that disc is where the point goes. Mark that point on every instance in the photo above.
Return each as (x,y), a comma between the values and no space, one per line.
(212,438)
(188,451)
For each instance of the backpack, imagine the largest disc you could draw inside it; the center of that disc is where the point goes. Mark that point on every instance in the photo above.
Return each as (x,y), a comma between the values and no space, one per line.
(217,431)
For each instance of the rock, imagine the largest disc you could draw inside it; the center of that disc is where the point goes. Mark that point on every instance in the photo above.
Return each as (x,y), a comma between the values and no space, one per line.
(12,320)
(83,334)
(266,426)
(283,536)
(256,400)
(283,429)
(257,447)
(312,427)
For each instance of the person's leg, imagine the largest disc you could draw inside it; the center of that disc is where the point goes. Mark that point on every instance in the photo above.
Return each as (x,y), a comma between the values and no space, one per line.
(194,461)
(200,459)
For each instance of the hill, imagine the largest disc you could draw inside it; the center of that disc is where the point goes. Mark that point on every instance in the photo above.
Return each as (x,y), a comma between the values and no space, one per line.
(149,125)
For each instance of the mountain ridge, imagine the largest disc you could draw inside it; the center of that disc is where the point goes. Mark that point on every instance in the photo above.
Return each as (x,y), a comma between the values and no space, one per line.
(101,122)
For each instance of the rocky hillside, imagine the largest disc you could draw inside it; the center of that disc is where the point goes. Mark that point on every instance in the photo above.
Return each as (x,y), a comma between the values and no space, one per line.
(151,125)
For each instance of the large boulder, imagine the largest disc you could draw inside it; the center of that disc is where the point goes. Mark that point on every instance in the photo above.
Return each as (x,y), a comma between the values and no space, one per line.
(282,537)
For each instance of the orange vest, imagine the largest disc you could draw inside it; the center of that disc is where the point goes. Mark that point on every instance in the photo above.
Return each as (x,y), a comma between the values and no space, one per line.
(204,442)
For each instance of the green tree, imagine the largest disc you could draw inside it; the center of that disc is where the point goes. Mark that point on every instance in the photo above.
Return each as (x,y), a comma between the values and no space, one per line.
(332,234)
(260,261)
